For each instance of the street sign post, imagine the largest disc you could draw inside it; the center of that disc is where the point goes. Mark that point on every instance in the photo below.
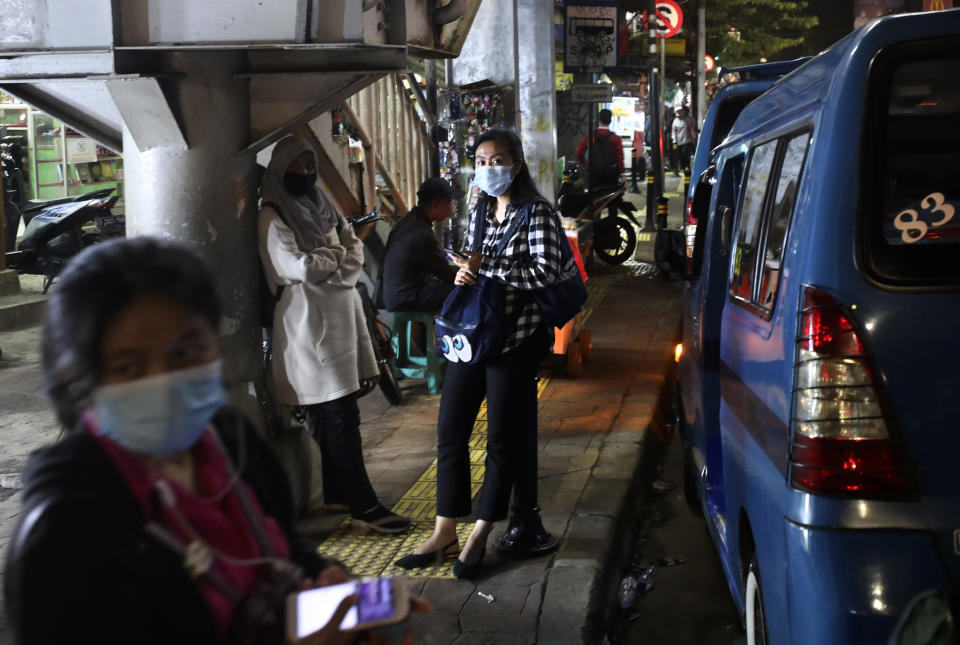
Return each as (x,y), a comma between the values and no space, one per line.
(592,93)
(591,32)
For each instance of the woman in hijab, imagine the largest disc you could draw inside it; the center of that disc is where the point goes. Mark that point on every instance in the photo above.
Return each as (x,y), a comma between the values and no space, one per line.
(322,350)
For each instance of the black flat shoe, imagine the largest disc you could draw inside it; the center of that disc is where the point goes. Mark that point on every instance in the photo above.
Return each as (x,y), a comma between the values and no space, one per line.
(465,571)
(525,536)
(429,559)
(381,520)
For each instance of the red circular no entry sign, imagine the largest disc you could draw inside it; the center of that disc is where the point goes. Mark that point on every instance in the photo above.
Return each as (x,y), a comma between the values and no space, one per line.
(669,18)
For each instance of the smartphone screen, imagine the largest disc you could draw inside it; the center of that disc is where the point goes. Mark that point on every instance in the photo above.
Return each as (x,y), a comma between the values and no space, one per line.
(456,253)
(315,607)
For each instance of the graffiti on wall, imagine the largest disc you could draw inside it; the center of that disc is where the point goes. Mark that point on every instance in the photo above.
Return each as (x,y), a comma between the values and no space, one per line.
(572,120)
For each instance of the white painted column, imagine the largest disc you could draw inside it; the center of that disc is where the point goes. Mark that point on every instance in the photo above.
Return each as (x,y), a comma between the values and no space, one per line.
(538,97)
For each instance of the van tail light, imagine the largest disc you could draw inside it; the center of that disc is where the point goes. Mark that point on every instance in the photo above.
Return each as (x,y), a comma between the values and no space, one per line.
(688,217)
(689,233)
(841,439)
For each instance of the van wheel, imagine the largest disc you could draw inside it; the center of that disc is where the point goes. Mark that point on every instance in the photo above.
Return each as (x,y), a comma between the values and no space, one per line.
(754,613)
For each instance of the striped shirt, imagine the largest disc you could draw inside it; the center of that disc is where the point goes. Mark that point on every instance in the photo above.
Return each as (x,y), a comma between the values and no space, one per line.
(530,260)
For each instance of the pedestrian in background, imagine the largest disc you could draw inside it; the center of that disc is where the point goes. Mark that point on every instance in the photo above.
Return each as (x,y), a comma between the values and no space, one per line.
(605,162)
(322,349)
(161,516)
(531,261)
(684,139)
(638,162)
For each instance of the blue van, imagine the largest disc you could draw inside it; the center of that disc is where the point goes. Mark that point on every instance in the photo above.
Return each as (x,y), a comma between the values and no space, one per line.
(819,389)
(750,81)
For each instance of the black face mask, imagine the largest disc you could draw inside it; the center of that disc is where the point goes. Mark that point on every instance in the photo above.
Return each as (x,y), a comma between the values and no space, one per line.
(299,185)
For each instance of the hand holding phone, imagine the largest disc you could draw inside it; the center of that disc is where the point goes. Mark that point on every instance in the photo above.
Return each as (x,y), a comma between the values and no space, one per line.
(457,254)
(380,601)
(365,219)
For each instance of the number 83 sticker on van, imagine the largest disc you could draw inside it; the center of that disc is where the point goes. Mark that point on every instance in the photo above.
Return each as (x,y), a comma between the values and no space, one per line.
(930,221)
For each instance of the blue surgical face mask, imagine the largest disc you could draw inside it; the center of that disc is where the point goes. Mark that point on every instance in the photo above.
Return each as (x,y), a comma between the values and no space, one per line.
(162,414)
(493,180)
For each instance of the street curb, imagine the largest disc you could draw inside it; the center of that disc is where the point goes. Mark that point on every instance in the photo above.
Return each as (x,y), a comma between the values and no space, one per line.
(580,592)
(20,311)
(582,587)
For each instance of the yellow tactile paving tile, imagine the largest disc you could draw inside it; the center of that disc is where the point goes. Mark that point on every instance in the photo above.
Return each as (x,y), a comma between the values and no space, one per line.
(367,553)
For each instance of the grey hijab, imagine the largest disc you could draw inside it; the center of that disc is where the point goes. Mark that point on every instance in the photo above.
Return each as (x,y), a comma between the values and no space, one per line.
(309,216)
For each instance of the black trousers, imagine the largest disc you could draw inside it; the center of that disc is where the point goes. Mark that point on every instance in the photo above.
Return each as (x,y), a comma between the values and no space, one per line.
(510,387)
(335,426)
(638,168)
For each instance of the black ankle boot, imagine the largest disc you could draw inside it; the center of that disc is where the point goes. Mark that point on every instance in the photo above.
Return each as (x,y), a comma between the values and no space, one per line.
(525,536)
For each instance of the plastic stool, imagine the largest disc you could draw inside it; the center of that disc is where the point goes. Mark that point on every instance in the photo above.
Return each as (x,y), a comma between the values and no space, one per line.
(409,365)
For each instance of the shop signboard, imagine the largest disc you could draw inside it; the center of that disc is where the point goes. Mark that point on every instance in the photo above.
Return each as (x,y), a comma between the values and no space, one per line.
(626,118)
(591,32)
(591,93)
(675,47)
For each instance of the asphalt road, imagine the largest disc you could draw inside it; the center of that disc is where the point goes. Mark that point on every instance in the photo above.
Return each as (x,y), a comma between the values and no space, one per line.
(690,602)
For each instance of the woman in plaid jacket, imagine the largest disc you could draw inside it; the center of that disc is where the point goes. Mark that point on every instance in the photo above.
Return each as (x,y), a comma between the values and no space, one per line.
(531,260)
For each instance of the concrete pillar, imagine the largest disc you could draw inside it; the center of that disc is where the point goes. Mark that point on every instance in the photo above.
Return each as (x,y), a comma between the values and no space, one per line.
(537,96)
(205,195)
(532,70)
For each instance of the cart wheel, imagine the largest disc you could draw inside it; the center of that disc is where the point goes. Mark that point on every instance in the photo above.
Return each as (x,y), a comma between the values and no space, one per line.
(574,360)
(586,344)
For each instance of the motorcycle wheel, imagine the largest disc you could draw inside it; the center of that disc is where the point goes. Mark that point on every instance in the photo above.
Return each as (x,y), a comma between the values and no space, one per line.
(627,239)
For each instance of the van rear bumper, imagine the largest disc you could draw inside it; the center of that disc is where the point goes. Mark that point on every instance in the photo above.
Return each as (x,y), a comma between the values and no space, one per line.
(851,586)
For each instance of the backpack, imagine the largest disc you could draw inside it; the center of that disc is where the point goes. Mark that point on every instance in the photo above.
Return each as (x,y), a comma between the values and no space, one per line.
(602,164)
(268,299)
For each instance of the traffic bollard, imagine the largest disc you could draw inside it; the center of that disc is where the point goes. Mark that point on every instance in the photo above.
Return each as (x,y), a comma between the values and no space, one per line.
(662,212)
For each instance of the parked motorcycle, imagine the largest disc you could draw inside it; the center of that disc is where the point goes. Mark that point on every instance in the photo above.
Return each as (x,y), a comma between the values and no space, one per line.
(59,229)
(14,187)
(614,237)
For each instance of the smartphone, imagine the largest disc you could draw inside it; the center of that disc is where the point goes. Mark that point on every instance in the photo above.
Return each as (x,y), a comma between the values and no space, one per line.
(457,254)
(365,219)
(381,601)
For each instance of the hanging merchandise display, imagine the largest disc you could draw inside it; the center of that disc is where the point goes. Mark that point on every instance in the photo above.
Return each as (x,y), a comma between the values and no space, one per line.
(464,116)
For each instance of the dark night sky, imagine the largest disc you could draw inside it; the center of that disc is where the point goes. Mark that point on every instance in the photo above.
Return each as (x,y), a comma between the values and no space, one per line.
(836,21)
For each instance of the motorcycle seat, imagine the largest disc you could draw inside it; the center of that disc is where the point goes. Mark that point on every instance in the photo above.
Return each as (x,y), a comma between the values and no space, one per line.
(572,204)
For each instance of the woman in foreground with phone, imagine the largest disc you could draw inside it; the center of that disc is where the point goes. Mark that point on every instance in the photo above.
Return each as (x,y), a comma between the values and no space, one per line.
(512,215)
(161,516)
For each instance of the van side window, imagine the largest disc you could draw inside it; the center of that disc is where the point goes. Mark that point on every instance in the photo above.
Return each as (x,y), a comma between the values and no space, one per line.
(779,219)
(728,193)
(748,226)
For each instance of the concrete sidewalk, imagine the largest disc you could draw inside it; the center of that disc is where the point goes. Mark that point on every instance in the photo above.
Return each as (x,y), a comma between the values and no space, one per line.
(596,434)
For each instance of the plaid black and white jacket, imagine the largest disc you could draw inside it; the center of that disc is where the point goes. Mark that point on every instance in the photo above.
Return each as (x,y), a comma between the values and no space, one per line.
(530,260)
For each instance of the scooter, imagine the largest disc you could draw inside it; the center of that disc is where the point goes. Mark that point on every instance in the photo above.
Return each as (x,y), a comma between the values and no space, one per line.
(14,188)
(61,228)
(614,238)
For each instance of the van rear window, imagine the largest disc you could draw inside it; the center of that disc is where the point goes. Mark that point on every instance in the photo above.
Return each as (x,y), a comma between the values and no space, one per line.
(914,222)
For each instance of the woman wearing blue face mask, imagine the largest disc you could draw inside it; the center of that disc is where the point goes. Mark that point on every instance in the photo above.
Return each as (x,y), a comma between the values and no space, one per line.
(531,260)
(161,517)
(322,351)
